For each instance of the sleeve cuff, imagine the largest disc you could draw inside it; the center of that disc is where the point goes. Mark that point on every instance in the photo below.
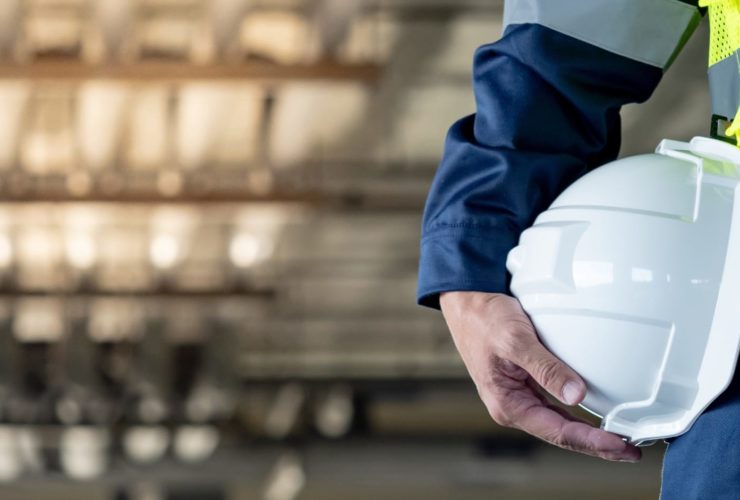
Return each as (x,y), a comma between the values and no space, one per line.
(463,258)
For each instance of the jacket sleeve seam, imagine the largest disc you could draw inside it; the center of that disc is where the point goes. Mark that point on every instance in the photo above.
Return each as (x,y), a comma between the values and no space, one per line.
(467,229)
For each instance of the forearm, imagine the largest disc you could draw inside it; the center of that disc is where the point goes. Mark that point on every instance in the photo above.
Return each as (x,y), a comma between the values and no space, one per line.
(547,112)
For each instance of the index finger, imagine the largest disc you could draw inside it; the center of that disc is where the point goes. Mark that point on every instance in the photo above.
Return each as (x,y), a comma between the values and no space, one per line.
(570,433)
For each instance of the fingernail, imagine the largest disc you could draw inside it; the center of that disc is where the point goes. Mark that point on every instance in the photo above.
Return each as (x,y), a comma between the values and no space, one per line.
(629,460)
(571,393)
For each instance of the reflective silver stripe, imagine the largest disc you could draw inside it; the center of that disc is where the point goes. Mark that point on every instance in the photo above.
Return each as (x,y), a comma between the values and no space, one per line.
(724,87)
(649,31)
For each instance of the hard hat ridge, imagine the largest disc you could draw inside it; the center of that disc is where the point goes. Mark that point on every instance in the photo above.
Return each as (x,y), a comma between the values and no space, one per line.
(630,277)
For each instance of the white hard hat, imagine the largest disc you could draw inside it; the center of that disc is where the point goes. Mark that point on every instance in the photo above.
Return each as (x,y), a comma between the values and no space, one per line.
(632,278)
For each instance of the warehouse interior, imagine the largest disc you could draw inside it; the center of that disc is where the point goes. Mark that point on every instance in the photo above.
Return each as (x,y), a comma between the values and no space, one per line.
(209,224)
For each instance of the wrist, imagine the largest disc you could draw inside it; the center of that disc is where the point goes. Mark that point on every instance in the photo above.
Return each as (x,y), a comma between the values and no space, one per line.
(455,302)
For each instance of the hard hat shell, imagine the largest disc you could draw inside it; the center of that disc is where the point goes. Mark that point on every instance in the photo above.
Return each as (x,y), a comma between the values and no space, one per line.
(632,278)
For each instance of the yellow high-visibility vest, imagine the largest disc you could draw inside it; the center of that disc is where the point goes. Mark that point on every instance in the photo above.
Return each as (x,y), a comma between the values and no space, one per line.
(724,57)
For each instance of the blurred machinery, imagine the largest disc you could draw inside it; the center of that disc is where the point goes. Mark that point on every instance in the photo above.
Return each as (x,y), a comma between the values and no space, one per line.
(209,217)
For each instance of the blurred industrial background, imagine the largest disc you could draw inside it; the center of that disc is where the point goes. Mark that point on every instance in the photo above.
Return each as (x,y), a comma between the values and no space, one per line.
(209,218)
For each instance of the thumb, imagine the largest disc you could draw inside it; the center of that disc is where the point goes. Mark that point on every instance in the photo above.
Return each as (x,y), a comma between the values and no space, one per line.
(553,375)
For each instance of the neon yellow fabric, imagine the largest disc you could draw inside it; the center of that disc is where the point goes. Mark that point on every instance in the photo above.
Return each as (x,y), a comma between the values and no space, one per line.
(724,19)
(724,42)
(734,129)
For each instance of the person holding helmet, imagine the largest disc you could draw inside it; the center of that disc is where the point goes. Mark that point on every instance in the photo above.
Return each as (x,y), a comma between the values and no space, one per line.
(548,97)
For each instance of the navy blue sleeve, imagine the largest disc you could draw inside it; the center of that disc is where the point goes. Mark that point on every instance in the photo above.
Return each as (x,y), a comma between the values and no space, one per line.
(547,112)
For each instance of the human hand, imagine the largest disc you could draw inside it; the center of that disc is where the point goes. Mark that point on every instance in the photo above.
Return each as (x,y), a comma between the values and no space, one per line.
(509,366)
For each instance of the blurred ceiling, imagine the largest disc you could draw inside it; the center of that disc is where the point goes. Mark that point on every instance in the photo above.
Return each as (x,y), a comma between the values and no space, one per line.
(209,219)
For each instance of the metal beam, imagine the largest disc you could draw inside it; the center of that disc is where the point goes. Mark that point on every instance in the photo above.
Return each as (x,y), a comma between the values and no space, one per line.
(400,192)
(178,72)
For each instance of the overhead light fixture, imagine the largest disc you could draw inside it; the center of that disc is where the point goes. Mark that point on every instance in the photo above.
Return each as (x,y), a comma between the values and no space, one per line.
(6,252)
(164,251)
(81,250)
(247,249)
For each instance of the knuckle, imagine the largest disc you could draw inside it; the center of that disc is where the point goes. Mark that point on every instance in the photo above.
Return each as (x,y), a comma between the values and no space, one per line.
(547,372)
(559,439)
(495,409)
(504,368)
(500,416)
